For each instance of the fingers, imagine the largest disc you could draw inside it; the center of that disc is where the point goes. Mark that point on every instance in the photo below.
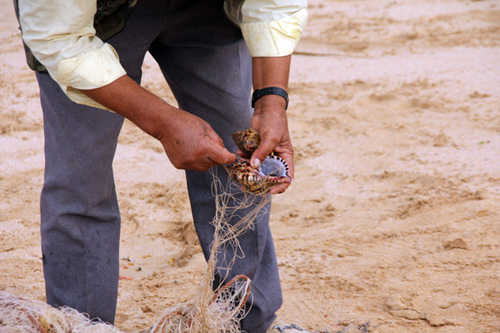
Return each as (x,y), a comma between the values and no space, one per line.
(222,156)
(265,148)
(205,160)
(279,189)
(218,154)
(210,154)
(282,149)
(194,145)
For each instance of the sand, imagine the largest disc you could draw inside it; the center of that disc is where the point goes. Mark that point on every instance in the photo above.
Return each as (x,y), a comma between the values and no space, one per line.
(393,218)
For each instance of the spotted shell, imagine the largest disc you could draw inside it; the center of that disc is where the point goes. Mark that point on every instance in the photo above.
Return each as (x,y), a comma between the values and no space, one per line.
(272,171)
(247,140)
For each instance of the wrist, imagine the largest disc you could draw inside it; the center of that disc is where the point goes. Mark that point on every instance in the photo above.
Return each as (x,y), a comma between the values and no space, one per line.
(270,104)
(270,91)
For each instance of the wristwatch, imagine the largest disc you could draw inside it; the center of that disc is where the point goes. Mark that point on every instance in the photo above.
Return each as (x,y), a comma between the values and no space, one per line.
(258,93)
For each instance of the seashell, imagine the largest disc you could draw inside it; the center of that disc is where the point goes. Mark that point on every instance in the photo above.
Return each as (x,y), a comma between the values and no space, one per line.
(247,140)
(272,171)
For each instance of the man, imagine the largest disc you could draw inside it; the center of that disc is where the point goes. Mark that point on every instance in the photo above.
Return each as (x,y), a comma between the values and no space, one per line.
(210,68)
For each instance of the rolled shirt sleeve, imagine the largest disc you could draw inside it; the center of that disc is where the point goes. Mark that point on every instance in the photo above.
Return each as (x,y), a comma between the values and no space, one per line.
(61,35)
(271,28)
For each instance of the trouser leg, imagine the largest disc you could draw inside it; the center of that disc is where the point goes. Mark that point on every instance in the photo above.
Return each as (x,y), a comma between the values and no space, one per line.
(209,72)
(80,220)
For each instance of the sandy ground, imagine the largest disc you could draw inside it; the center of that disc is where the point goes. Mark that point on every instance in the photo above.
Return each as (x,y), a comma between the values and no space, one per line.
(393,218)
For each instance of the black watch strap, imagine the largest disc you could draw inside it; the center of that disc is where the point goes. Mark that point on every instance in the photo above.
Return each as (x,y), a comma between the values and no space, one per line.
(269,91)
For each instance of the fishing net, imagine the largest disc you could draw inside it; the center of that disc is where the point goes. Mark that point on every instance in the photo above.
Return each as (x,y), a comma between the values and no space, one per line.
(219,310)
(20,315)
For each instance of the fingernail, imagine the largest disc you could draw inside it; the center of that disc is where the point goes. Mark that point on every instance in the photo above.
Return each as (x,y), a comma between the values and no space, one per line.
(256,163)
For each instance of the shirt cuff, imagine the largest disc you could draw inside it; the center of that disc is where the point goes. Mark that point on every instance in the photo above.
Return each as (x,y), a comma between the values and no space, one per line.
(94,69)
(274,38)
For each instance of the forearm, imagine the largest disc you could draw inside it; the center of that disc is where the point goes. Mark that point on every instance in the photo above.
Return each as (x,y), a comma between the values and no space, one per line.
(125,97)
(271,72)
(189,141)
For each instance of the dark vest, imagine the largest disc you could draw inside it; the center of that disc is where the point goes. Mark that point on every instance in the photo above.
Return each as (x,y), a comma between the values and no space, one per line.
(109,20)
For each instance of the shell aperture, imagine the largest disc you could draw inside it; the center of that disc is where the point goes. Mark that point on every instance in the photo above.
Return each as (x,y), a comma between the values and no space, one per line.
(274,166)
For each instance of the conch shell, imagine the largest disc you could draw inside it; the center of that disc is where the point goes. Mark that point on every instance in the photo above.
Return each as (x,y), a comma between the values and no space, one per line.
(247,140)
(272,171)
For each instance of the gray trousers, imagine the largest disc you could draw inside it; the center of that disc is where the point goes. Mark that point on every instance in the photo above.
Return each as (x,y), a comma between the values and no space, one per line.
(206,63)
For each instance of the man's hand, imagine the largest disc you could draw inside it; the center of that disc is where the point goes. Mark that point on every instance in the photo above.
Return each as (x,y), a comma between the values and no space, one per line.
(271,122)
(189,141)
(192,144)
(270,115)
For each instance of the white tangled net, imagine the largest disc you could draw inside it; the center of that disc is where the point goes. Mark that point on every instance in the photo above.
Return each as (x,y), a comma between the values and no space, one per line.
(221,310)
(210,311)
(20,315)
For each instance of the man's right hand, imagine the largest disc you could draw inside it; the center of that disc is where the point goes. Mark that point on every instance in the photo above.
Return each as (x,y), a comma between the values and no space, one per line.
(192,144)
(189,141)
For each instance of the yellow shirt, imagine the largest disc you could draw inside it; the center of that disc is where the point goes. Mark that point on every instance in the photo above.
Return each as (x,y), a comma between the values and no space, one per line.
(62,37)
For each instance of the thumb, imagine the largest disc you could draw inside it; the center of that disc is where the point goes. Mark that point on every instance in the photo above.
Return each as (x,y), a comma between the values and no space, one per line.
(265,148)
(222,156)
